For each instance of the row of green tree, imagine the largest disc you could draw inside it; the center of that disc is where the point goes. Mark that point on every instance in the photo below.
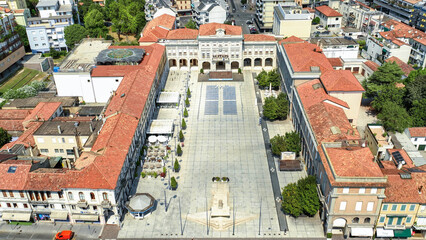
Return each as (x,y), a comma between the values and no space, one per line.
(400,103)
(276,107)
(301,197)
(290,142)
(271,78)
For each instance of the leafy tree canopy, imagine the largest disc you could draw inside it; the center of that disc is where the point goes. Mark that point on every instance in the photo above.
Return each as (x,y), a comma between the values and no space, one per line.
(301,197)
(394,117)
(74,34)
(266,79)
(5,137)
(270,108)
(23,36)
(290,142)
(387,74)
(191,24)
(94,22)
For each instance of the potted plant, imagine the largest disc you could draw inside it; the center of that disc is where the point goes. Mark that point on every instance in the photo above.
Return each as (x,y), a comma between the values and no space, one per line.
(163,175)
(217,179)
(155,175)
(239,71)
(176,166)
(225,179)
(201,71)
(183,123)
(185,113)
(181,137)
(173,183)
(164,170)
(179,151)
(329,235)
(187,102)
(143,174)
(188,93)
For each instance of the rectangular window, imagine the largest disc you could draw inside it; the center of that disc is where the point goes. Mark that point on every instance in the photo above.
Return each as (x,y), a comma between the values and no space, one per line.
(390,220)
(15,205)
(63,206)
(408,220)
(63,140)
(385,207)
(73,207)
(362,190)
(4,193)
(70,152)
(53,140)
(61,150)
(358,206)
(60,195)
(373,190)
(52,206)
(399,221)
(8,205)
(71,140)
(56,150)
(49,195)
(44,150)
(382,219)
(394,207)
(345,190)
(11,194)
(25,205)
(370,206)
(40,140)
(412,207)
(21,194)
(403,207)
(342,206)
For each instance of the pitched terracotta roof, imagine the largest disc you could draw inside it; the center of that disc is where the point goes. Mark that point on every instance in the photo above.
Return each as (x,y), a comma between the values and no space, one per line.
(305,55)
(183,33)
(157,28)
(328,121)
(404,66)
(210,29)
(12,119)
(340,80)
(417,131)
(42,112)
(351,162)
(399,30)
(16,180)
(49,179)
(335,62)
(401,190)
(27,138)
(372,65)
(328,11)
(258,38)
(291,39)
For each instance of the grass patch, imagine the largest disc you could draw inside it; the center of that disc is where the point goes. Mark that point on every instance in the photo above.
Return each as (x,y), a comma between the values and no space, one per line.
(19,80)
(21,223)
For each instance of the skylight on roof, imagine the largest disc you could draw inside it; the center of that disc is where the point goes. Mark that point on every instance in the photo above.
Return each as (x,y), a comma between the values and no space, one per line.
(12,169)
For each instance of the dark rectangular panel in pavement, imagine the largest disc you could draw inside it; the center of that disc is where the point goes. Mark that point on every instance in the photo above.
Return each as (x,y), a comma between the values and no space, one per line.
(229,93)
(229,108)
(212,92)
(211,108)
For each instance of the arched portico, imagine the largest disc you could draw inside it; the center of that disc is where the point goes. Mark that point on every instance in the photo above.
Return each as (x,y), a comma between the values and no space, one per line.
(258,62)
(235,65)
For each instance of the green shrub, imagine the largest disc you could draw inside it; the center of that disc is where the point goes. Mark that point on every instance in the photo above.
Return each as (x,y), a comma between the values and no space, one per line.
(201,71)
(164,170)
(188,93)
(155,174)
(176,166)
(329,235)
(301,197)
(173,183)
(239,71)
(179,151)
(181,137)
(187,102)
(290,142)
(183,123)
(143,174)
(185,113)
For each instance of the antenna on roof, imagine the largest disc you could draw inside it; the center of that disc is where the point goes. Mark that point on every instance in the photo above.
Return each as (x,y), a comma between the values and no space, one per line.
(59,129)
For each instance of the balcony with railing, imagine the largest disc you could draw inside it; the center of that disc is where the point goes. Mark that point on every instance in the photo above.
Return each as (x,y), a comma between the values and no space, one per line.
(106,204)
(82,203)
(397,226)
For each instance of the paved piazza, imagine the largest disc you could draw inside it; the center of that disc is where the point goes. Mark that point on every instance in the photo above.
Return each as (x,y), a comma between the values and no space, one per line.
(215,145)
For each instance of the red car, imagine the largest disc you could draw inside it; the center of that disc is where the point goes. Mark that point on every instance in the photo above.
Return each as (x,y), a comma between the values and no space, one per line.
(64,235)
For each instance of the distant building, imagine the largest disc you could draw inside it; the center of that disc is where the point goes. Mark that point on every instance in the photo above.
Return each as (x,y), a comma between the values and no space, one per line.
(401,9)
(291,22)
(265,12)
(360,16)
(11,48)
(378,140)
(21,15)
(418,16)
(47,30)
(209,11)
(329,18)
(17,4)
(338,47)
(417,136)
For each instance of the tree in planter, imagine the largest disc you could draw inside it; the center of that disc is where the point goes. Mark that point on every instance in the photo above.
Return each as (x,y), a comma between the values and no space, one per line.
(176,166)
(5,137)
(278,144)
(282,104)
(179,151)
(181,136)
(185,113)
(291,202)
(270,108)
(202,71)
(240,71)
(188,93)
(173,183)
(183,123)
(316,21)
(309,195)
(290,142)
(187,102)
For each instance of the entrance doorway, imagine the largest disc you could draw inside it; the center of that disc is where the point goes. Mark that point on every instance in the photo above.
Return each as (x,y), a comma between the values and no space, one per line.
(220,65)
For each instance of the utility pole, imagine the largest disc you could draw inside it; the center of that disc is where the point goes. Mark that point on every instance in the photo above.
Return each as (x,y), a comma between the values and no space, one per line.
(233,216)
(165,200)
(260,214)
(180,213)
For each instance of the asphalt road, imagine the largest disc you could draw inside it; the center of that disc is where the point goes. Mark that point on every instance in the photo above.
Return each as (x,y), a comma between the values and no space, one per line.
(240,15)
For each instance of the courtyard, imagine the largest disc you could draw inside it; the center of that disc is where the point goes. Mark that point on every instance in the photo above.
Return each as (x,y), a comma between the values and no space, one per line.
(223,139)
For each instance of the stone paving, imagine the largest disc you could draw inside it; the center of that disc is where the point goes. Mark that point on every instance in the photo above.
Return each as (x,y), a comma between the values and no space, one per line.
(215,145)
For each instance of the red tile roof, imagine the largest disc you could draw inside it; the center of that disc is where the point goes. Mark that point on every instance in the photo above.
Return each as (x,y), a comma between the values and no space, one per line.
(183,33)
(372,65)
(328,11)
(42,112)
(258,38)
(401,190)
(335,62)
(340,81)
(305,55)
(408,162)
(11,119)
(210,29)
(417,131)
(157,28)
(323,114)
(26,138)
(292,39)
(17,180)
(404,66)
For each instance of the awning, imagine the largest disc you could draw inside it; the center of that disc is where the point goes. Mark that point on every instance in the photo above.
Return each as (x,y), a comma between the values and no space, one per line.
(160,127)
(362,232)
(402,233)
(86,217)
(17,216)
(381,232)
(421,223)
(168,98)
(59,215)
(340,222)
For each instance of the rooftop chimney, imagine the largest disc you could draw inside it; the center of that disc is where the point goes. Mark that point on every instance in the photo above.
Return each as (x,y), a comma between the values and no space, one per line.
(59,129)
(91,127)
(420,189)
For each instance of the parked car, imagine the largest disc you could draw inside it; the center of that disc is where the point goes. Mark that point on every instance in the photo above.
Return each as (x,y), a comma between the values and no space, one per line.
(64,235)
(253,31)
(320,27)
(249,22)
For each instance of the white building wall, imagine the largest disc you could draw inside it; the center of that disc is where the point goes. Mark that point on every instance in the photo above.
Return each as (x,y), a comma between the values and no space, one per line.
(217,15)
(341,51)
(104,86)
(403,53)
(75,84)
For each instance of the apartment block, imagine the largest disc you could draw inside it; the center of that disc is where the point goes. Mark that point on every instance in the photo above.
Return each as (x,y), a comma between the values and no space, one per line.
(11,48)
(47,30)
(417,136)
(265,12)
(209,11)
(400,9)
(360,16)
(291,22)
